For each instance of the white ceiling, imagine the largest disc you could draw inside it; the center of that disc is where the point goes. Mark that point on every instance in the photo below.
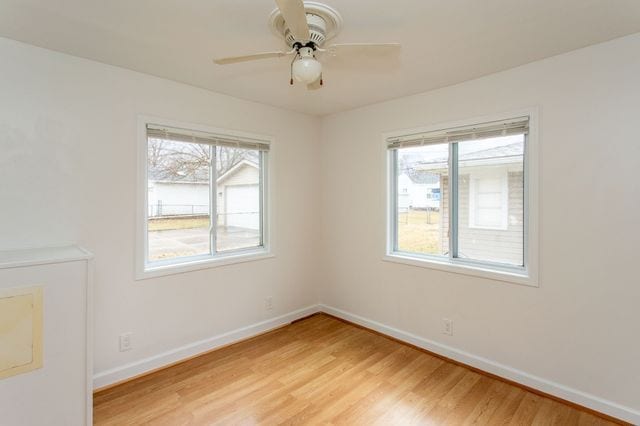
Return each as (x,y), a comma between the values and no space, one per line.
(444,41)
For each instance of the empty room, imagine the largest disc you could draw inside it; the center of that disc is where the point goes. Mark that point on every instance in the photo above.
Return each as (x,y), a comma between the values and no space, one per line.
(345,212)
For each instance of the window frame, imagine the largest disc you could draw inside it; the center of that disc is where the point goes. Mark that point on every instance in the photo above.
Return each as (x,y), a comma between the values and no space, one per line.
(145,269)
(525,275)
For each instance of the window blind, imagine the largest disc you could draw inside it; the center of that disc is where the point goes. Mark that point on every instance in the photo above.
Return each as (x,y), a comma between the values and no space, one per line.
(517,126)
(182,135)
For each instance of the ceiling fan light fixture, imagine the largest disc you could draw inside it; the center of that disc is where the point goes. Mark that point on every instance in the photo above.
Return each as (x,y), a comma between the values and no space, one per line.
(305,26)
(306,69)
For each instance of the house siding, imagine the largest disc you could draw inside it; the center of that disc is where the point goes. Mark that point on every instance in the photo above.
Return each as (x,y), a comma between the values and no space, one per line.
(178,198)
(487,244)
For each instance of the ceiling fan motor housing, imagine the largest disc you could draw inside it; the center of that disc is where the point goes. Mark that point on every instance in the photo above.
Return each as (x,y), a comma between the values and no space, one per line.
(317,31)
(324,23)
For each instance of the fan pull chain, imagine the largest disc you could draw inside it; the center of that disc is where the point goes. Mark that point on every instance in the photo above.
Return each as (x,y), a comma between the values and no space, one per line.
(291,68)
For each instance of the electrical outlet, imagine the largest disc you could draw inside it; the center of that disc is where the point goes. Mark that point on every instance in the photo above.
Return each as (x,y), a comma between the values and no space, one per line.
(447,326)
(268,303)
(125,342)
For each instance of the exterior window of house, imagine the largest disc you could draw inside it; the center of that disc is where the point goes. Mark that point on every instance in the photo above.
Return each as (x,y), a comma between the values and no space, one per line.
(464,196)
(205,197)
(488,200)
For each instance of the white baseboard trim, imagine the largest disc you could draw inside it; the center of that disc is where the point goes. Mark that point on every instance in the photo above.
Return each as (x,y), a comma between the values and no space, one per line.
(573,395)
(136,368)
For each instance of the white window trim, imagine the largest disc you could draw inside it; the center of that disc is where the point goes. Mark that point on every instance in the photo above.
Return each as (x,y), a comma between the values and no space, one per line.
(474,176)
(194,263)
(528,275)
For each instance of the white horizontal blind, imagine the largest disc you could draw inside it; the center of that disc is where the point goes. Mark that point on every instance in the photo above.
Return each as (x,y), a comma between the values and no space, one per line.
(183,135)
(516,126)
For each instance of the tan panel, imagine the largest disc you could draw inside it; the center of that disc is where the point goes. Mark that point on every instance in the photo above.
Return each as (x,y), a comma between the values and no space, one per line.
(20,330)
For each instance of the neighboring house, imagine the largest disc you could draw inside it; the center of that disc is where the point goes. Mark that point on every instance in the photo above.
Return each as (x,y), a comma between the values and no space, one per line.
(238,197)
(491,194)
(181,194)
(418,191)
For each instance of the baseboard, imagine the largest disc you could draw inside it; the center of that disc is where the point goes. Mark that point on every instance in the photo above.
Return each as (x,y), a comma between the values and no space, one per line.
(557,390)
(126,372)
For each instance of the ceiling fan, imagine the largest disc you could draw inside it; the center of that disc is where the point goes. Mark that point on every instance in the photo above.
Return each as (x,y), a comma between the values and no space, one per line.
(305,26)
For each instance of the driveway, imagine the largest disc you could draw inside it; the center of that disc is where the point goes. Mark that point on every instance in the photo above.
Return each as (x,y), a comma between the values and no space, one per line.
(194,241)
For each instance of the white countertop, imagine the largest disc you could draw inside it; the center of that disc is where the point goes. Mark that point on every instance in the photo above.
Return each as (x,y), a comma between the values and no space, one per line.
(42,256)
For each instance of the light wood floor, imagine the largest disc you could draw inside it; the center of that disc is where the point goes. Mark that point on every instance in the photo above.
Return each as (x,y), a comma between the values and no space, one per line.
(322,370)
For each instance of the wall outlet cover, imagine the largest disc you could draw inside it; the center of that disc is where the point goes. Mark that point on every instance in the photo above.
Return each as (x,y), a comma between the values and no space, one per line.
(125,342)
(447,326)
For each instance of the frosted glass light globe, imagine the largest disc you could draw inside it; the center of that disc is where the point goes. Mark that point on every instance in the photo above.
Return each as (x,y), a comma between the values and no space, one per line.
(306,70)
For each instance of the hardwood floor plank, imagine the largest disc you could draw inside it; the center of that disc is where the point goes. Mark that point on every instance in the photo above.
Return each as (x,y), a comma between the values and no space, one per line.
(487,405)
(449,403)
(469,401)
(507,409)
(324,371)
(527,409)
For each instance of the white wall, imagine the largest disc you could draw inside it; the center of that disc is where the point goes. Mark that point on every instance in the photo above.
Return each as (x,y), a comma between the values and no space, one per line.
(581,327)
(68,173)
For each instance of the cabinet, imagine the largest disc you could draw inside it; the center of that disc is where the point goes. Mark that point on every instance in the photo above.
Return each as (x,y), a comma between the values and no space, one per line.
(45,337)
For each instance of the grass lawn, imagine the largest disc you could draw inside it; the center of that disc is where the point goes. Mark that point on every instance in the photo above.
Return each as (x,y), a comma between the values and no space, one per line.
(419,231)
(178,223)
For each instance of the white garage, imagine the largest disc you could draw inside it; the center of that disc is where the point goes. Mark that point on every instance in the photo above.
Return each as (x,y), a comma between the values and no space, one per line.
(243,206)
(239,196)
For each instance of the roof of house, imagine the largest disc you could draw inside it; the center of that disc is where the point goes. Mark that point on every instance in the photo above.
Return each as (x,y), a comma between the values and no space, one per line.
(235,169)
(421,178)
(198,176)
(498,155)
(511,150)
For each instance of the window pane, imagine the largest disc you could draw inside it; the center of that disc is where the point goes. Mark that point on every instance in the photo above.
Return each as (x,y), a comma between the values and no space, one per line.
(238,198)
(422,200)
(491,200)
(178,199)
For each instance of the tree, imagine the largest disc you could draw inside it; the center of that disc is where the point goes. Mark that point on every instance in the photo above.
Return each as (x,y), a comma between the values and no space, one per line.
(190,161)
(227,157)
(155,152)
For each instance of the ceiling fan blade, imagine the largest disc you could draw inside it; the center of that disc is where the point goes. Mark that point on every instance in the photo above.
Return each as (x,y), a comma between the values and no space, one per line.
(315,85)
(295,18)
(367,48)
(264,55)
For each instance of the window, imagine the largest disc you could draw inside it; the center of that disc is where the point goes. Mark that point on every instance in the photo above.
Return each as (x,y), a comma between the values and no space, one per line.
(204,198)
(458,198)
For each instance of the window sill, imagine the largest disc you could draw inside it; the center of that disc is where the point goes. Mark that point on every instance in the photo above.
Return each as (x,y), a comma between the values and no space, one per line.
(515,277)
(154,271)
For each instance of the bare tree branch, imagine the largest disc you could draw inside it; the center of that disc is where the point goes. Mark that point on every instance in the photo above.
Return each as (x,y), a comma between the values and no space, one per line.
(180,161)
